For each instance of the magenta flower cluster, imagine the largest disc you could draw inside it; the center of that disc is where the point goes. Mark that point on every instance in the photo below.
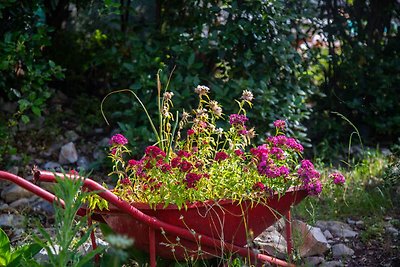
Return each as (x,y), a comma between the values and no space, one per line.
(118,139)
(280,124)
(337,178)
(310,177)
(285,142)
(237,119)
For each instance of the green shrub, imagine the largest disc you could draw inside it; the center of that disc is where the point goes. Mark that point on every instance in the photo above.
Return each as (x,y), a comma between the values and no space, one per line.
(25,70)
(228,45)
(361,78)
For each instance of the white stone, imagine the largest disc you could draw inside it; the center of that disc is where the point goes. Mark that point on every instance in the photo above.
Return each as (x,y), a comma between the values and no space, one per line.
(22,203)
(341,250)
(68,154)
(311,240)
(337,229)
(11,220)
(273,243)
(313,261)
(52,166)
(14,192)
(332,264)
(328,234)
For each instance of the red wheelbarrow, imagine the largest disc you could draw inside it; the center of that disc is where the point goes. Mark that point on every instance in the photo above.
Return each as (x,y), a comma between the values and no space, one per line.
(205,230)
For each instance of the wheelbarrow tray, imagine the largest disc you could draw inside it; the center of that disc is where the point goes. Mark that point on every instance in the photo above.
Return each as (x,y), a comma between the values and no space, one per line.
(228,221)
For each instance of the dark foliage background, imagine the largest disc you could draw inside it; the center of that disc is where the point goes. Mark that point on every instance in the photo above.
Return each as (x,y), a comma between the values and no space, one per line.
(89,48)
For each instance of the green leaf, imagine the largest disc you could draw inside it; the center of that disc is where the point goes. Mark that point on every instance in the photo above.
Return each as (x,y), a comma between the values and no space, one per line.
(25,119)
(36,110)
(23,254)
(191,59)
(5,250)
(23,104)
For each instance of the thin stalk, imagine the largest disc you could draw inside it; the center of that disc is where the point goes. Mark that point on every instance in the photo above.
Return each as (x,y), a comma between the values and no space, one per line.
(140,102)
(159,109)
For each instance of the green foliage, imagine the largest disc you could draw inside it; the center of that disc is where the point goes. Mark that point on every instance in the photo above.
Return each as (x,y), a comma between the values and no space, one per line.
(63,250)
(228,45)
(361,78)
(25,70)
(364,194)
(21,256)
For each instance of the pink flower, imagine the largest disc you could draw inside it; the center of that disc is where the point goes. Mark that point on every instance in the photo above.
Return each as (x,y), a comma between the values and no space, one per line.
(126,181)
(175,162)
(259,186)
(191,179)
(238,152)
(337,178)
(313,188)
(186,166)
(118,139)
(133,162)
(280,124)
(154,152)
(165,167)
(221,155)
(237,119)
(190,132)
(182,153)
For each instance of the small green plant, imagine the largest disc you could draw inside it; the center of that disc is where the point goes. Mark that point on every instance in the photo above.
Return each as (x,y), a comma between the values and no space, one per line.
(22,256)
(63,249)
(363,194)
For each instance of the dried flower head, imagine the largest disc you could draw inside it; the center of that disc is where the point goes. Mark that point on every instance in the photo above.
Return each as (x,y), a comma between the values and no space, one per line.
(202,90)
(168,95)
(215,108)
(247,95)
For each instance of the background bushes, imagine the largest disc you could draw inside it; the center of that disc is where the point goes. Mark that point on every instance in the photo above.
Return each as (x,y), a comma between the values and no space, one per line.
(230,46)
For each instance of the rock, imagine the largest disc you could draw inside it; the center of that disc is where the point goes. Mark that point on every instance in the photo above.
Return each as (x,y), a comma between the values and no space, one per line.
(68,154)
(71,136)
(100,152)
(332,264)
(98,130)
(4,208)
(42,257)
(341,250)
(273,243)
(83,163)
(11,220)
(10,107)
(14,170)
(15,158)
(392,231)
(313,241)
(359,223)
(52,166)
(52,149)
(328,234)
(22,203)
(313,261)
(44,207)
(14,192)
(337,229)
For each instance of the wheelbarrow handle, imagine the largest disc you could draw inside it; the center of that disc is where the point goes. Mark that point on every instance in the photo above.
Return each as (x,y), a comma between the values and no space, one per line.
(33,188)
